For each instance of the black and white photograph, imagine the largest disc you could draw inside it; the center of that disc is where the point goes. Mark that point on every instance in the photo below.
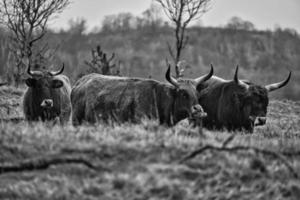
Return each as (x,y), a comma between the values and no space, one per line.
(149,99)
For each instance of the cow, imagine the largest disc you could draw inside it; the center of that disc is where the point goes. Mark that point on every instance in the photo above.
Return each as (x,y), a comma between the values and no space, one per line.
(234,104)
(101,98)
(47,96)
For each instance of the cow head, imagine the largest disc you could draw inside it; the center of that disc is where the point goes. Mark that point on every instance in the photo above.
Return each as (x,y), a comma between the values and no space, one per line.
(186,95)
(43,85)
(251,100)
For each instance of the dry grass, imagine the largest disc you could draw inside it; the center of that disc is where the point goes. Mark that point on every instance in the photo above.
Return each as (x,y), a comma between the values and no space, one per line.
(142,161)
(10,102)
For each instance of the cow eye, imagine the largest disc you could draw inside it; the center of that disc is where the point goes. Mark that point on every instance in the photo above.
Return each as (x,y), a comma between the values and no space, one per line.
(57,84)
(185,95)
(257,106)
(30,82)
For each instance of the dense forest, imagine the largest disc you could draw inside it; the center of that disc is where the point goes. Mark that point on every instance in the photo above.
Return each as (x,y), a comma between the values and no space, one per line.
(141,50)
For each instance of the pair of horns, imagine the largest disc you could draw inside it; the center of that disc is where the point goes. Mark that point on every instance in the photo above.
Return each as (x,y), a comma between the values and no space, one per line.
(55,73)
(270,87)
(199,80)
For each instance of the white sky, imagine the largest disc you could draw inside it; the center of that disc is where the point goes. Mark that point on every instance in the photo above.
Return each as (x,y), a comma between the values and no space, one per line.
(265,14)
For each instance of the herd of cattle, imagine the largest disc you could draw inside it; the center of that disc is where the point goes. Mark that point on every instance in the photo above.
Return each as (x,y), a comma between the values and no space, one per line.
(231,104)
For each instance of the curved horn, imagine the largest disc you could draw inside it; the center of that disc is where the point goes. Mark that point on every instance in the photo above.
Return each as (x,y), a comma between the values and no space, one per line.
(236,78)
(275,86)
(26,63)
(33,73)
(205,77)
(29,71)
(169,78)
(58,72)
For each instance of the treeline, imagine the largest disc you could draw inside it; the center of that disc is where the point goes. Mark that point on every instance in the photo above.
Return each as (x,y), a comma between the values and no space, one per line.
(140,45)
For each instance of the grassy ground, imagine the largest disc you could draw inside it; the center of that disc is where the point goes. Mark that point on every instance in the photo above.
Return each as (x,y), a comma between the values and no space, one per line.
(10,102)
(143,161)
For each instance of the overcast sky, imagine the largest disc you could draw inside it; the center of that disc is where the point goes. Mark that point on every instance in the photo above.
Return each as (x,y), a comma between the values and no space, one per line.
(265,14)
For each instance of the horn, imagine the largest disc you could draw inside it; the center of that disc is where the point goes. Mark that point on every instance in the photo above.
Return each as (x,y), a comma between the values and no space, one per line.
(169,78)
(33,73)
(275,86)
(58,72)
(236,78)
(29,71)
(205,77)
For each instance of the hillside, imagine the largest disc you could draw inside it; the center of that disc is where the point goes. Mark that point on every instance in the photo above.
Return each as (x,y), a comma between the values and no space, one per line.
(263,56)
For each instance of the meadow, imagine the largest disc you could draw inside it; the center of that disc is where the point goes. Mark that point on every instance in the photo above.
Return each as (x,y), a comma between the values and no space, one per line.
(148,161)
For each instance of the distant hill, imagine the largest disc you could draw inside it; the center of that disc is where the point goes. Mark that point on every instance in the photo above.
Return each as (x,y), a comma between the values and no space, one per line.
(263,56)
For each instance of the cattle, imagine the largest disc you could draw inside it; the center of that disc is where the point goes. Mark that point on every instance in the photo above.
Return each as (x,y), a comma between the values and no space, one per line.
(47,96)
(100,98)
(234,104)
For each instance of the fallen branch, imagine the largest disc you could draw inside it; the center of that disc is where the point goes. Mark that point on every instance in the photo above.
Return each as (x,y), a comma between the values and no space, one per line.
(228,140)
(278,156)
(12,119)
(2,84)
(44,163)
(290,154)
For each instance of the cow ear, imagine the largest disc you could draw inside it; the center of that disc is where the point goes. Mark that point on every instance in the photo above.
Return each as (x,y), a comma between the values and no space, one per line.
(200,87)
(30,82)
(57,83)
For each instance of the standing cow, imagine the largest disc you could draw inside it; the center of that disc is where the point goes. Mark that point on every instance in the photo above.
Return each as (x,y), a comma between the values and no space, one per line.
(47,96)
(234,104)
(97,97)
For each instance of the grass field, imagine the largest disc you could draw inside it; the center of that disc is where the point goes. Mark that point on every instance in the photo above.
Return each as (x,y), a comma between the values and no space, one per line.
(145,161)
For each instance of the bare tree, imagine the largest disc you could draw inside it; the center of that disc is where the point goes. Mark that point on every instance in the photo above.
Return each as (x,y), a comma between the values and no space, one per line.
(27,20)
(181,13)
(101,64)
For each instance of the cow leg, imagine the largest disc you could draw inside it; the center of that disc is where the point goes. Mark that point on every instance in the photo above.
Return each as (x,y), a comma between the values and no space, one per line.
(65,116)
(77,115)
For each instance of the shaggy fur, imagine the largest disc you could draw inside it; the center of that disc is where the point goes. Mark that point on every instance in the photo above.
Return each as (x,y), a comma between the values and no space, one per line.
(231,106)
(43,87)
(97,97)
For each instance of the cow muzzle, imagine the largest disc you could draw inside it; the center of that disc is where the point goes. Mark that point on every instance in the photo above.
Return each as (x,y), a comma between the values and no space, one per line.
(47,103)
(197,112)
(260,121)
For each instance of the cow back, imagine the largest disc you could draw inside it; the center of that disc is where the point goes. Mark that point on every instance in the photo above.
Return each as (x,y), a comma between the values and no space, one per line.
(102,98)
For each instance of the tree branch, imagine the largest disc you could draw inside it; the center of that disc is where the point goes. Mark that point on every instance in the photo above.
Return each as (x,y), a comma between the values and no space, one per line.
(46,162)
(27,19)
(235,149)
(181,13)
